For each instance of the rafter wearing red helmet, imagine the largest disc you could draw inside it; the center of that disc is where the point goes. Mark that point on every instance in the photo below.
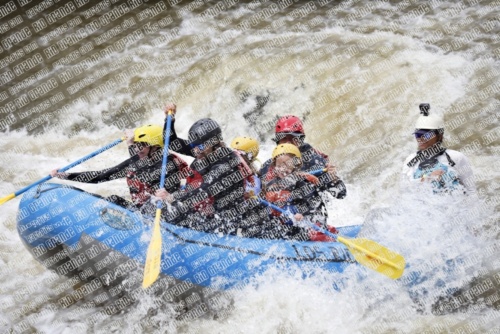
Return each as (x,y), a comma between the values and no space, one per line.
(290,130)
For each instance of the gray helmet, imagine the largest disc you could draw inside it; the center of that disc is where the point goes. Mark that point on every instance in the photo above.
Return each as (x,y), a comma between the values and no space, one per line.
(205,131)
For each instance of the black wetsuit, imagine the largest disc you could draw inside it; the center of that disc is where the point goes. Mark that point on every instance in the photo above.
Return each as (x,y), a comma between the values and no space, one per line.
(143,177)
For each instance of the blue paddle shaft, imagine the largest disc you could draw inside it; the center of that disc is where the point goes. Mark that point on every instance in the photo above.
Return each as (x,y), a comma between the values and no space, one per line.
(318,171)
(19,192)
(166,137)
(272,206)
(91,155)
(79,161)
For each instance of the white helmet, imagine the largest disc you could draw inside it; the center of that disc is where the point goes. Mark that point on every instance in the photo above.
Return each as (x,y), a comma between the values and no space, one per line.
(426,121)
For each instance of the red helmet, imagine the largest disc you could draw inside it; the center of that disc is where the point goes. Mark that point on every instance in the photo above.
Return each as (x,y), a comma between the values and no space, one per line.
(289,124)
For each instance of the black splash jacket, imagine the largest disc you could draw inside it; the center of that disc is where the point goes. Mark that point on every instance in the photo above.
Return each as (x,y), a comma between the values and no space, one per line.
(221,184)
(143,175)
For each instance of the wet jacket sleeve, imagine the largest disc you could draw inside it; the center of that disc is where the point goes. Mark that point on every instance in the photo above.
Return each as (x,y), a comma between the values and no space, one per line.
(113,173)
(306,198)
(314,160)
(335,187)
(177,144)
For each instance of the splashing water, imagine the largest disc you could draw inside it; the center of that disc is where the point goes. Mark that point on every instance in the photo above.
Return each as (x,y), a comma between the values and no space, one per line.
(355,72)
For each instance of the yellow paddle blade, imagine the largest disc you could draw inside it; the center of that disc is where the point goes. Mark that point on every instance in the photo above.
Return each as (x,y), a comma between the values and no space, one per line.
(7,198)
(153,259)
(375,256)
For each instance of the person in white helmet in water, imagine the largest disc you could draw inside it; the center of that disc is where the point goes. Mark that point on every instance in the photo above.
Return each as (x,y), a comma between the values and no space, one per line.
(447,170)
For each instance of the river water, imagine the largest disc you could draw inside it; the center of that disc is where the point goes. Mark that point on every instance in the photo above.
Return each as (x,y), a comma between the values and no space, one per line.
(76,73)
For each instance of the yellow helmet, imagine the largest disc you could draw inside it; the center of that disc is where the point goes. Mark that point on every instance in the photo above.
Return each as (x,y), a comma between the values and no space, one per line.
(248,145)
(149,134)
(286,149)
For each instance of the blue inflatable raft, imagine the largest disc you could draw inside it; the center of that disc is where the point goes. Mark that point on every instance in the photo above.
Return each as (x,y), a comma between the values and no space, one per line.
(78,234)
